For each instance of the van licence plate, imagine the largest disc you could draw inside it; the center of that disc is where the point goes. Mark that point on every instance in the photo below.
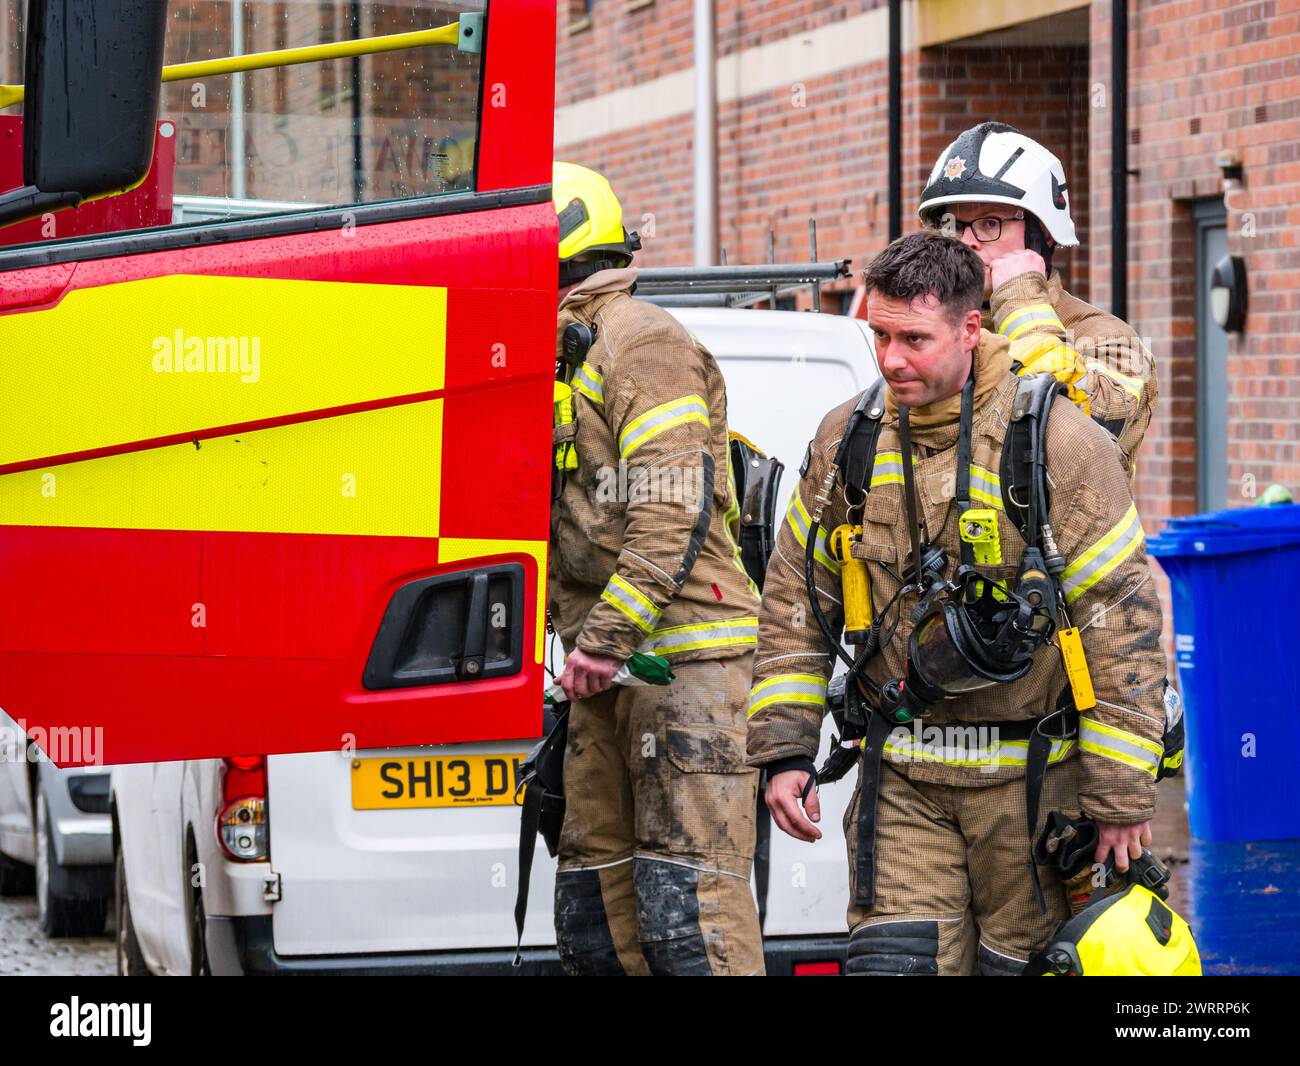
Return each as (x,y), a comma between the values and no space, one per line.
(435,781)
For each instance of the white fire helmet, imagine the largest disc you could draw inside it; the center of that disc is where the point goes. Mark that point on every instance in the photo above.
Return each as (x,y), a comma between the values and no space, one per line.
(996,164)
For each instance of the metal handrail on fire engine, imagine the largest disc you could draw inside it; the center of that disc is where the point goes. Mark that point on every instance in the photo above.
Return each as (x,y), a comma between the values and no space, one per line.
(466,34)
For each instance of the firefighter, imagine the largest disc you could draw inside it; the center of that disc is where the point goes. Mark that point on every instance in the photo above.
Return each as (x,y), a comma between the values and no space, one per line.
(1005,195)
(657,843)
(952,762)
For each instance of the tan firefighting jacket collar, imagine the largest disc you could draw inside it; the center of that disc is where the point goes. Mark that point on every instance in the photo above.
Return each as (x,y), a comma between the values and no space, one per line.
(936,424)
(601,282)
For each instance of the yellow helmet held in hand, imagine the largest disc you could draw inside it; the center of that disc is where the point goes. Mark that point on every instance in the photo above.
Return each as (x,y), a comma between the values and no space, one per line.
(1132,934)
(592,236)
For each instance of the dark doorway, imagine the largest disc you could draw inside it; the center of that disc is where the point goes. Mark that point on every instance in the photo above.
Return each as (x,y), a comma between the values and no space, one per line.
(1210,219)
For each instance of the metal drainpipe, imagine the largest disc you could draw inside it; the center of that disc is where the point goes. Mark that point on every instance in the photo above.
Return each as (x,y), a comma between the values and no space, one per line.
(238,160)
(705,183)
(358,162)
(1119,159)
(895,119)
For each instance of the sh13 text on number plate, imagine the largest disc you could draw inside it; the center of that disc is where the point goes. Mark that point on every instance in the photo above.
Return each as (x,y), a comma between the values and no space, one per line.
(435,781)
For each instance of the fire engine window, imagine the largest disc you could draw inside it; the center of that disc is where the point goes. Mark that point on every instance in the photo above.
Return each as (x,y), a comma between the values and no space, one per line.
(326,132)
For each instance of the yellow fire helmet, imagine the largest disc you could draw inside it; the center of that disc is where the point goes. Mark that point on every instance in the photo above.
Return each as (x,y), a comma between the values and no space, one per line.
(1131,934)
(592,236)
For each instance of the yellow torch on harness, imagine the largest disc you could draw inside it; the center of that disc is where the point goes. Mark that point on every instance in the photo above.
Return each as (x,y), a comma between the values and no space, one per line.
(855,584)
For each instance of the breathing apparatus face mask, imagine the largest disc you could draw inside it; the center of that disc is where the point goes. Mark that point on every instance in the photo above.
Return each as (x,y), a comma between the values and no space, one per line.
(974,634)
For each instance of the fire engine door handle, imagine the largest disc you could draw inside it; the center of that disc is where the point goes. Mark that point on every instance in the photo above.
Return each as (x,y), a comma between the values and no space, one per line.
(476,623)
(450,628)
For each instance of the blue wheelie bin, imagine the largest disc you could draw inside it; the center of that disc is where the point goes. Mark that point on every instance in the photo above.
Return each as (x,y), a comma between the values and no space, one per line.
(1235,576)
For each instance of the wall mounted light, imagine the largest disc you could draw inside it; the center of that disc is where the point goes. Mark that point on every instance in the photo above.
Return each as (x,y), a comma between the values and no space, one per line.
(1229,164)
(1228,293)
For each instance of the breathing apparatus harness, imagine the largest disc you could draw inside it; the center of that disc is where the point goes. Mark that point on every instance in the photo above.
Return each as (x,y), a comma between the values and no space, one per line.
(970,632)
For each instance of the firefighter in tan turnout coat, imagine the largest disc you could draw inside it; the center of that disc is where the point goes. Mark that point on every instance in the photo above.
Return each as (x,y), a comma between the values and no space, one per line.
(950,885)
(1005,196)
(658,838)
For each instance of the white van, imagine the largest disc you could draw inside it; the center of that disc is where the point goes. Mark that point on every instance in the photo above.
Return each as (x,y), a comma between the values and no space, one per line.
(322,887)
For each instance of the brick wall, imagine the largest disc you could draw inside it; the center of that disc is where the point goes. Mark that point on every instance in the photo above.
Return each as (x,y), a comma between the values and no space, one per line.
(1205,75)
(1209,75)
(1042,92)
(813,148)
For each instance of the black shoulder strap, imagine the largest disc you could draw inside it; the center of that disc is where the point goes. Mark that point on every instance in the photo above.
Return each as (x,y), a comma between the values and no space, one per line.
(530,822)
(762,851)
(1024,454)
(859,448)
(542,778)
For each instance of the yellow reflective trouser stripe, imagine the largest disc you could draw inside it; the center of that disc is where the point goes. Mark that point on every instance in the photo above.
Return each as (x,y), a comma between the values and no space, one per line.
(1028,318)
(1104,556)
(635,605)
(660,419)
(887,469)
(726,633)
(799,521)
(808,689)
(589,382)
(1120,745)
(1133,386)
(904,747)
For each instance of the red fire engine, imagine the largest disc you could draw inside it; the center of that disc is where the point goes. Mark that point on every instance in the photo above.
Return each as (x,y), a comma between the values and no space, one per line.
(286,475)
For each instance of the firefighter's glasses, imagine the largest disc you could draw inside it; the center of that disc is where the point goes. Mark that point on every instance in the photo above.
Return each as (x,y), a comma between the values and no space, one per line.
(987,228)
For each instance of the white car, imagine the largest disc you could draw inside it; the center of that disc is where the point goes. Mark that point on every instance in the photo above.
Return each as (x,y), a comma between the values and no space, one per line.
(252,865)
(55,836)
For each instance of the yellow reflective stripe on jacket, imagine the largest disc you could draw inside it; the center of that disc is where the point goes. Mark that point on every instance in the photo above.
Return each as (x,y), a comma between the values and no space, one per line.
(986,487)
(1120,745)
(797,515)
(700,636)
(808,689)
(1028,318)
(588,381)
(1104,556)
(1133,386)
(902,745)
(887,469)
(660,419)
(623,595)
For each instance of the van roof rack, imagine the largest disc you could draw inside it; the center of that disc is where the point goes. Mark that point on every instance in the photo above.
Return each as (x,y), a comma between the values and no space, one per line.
(736,286)
(741,285)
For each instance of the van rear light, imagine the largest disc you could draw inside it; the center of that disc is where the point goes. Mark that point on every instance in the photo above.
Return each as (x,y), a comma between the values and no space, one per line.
(242,822)
(816,969)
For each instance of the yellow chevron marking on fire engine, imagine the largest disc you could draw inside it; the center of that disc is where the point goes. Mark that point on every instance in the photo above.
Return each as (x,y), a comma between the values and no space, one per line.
(146,359)
(372,473)
(454,549)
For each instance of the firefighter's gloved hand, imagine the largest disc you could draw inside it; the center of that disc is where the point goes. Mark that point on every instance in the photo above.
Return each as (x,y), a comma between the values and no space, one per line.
(1041,353)
(587,675)
(1013,264)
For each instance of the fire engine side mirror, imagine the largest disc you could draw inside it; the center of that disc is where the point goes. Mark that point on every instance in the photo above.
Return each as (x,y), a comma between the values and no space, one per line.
(93,82)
